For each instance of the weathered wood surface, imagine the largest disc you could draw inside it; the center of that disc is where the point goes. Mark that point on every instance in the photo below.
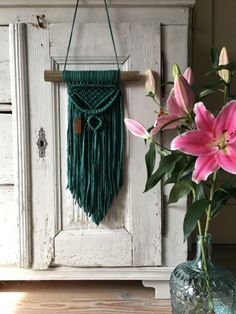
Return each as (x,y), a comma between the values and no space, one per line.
(44,169)
(5,93)
(107,248)
(174,250)
(81,297)
(137,51)
(61,3)
(9,241)
(6,149)
(5,108)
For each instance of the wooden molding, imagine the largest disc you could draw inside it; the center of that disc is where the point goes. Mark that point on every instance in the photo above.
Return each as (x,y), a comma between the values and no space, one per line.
(88,3)
(92,273)
(21,139)
(154,277)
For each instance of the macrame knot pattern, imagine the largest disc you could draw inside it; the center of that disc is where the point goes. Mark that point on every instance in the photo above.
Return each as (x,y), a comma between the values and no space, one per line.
(95,155)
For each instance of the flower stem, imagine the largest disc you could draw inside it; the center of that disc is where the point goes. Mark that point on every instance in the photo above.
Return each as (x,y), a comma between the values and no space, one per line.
(226,93)
(162,147)
(157,103)
(213,185)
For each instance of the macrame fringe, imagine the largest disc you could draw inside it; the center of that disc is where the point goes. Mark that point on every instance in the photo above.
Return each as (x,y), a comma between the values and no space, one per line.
(95,156)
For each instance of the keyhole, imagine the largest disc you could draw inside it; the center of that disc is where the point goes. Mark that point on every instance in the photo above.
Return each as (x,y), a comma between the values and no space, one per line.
(41,143)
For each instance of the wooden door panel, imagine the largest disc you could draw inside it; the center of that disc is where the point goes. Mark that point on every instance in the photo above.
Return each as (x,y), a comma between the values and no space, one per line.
(130,235)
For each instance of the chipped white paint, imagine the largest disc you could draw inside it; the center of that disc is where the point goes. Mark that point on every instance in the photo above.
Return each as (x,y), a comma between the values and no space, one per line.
(141,220)
(174,250)
(62,3)
(119,13)
(44,170)
(162,289)
(9,238)
(21,140)
(5,94)
(128,215)
(108,247)
(6,149)
(5,108)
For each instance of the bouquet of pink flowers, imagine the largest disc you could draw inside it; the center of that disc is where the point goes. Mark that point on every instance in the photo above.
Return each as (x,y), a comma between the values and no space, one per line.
(205,144)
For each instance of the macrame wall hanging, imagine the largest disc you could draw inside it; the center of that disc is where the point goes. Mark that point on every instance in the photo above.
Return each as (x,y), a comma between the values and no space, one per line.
(95,132)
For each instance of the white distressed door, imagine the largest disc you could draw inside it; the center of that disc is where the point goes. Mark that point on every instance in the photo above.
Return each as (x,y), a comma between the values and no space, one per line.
(130,234)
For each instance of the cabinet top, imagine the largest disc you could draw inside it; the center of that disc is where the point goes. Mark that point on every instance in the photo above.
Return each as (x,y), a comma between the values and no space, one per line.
(113,3)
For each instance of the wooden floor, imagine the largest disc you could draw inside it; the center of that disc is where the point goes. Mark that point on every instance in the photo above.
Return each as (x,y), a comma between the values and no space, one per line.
(84,297)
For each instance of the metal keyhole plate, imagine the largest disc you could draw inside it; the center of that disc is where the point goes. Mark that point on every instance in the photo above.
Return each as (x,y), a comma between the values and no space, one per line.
(42,143)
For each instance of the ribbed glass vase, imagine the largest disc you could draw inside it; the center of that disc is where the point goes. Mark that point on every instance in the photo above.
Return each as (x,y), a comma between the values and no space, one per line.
(201,287)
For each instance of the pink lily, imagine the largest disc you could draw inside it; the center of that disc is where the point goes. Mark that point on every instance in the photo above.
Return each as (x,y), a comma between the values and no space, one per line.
(179,103)
(188,75)
(214,141)
(136,128)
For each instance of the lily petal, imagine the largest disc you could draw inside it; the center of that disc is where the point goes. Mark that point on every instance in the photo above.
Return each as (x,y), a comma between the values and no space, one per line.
(226,120)
(223,60)
(188,75)
(136,128)
(204,119)
(231,137)
(171,119)
(194,143)
(183,93)
(204,166)
(172,106)
(227,160)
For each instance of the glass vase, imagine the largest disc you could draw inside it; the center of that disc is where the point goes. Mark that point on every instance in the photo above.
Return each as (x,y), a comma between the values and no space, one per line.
(200,286)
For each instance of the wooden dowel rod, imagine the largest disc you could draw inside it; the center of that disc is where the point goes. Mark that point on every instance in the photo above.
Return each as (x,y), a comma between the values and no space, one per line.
(56,76)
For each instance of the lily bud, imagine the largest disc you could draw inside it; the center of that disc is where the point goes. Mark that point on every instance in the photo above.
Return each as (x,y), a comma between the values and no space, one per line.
(175,70)
(150,83)
(188,75)
(136,128)
(223,60)
(183,93)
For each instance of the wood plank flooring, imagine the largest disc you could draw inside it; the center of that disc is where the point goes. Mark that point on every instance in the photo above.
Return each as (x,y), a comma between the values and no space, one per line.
(81,297)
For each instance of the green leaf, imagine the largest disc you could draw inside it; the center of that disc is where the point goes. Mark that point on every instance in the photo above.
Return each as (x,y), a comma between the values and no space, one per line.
(166,166)
(221,197)
(188,168)
(193,214)
(205,93)
(229,66)
(232,192)
(173,176)
(214,57)
(150,159)
(179,190)
(199,191)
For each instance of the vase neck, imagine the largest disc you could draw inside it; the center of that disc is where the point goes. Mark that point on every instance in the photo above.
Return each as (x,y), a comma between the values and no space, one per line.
(203,253)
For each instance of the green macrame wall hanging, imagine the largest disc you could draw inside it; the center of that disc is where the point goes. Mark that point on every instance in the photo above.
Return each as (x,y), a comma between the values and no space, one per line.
(94,135)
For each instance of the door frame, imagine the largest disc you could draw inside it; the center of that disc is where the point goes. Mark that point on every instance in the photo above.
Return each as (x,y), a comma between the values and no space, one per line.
(21,140)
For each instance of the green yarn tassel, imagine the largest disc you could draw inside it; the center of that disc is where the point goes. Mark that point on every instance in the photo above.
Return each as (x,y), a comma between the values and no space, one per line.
(95,156)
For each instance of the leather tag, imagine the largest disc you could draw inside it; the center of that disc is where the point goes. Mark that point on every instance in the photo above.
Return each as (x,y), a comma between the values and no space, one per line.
(77,125)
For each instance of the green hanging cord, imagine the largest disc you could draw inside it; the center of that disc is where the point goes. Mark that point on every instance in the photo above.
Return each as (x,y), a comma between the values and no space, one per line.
(112,37)
(71,34)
